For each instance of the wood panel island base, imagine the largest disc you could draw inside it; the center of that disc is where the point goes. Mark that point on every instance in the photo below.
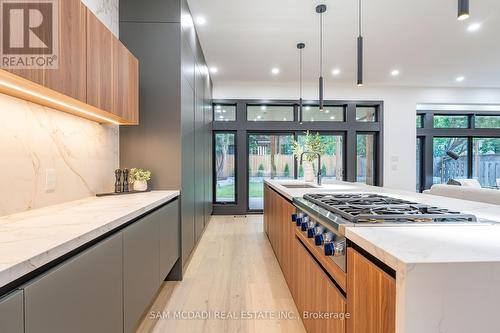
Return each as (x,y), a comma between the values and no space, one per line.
(394,278)
(328,299)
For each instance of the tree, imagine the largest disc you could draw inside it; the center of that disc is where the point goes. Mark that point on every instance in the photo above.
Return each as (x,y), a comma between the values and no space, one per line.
(286,171)
(260,171)
(301,171)
(323,170)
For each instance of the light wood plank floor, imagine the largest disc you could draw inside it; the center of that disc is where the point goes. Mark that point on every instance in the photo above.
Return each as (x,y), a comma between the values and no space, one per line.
(232,270)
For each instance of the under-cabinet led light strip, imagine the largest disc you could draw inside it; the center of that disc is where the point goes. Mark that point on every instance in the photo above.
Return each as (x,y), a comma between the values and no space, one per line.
(75,108)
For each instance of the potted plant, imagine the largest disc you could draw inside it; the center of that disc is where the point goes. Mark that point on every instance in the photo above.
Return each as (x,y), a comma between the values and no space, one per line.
(139,179)
(311,146)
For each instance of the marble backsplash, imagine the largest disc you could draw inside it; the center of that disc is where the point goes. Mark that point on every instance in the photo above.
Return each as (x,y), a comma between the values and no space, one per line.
(34,140)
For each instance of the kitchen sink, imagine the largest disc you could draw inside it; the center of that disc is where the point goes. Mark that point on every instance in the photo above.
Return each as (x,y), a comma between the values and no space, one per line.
(303,185)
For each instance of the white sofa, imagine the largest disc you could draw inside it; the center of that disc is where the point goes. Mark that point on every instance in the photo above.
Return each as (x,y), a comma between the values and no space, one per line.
(470,190)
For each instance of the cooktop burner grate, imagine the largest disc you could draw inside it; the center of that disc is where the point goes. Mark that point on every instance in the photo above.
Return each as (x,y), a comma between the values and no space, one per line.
(375,208)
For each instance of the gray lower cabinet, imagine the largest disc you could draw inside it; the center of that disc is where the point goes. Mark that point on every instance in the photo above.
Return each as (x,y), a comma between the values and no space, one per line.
(11,313)
(84,294)
(169,237)
(141,269)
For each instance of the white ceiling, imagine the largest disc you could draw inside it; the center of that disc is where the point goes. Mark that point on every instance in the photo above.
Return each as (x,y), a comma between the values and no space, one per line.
(422,38)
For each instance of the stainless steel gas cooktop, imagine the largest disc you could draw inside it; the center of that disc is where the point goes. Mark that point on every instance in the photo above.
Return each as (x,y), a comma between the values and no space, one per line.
(376,208)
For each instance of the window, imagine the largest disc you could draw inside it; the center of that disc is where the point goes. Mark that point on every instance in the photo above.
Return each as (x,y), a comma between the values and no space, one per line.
(330,113)
(225,188)
(420,121)
(487,121)
(366,113)
(270,157)
(446,167)
(445,121)
(224,112)
(332,161)
(365,161)
(486,161)
(269,113)
(419,164)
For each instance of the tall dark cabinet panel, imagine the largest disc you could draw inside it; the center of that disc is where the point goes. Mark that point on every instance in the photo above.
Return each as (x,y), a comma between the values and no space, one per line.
(173,139)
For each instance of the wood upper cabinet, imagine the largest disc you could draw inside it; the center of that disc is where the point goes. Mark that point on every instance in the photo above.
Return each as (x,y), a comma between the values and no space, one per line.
(371,296)
(70,77)
(99,64)
(125,81)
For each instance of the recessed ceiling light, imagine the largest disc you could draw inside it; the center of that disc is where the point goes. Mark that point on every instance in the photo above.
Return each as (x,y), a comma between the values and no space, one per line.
(263,108)
(332,117)
(395,72)
(284,119)
(460,79)
(308,108)
(327,111)
(223,111)
(275,71)
(474,27)
(213,70)
(259,117)
(221,117)
(200,20)
(336,71)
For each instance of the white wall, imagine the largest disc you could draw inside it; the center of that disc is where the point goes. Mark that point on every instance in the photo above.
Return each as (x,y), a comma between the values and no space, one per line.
(399,112)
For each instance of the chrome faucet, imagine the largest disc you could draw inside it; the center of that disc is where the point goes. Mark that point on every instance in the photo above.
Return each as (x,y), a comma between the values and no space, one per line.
(319,164)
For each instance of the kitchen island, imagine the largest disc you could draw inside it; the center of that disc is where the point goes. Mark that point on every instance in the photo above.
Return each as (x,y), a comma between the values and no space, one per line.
(435,278)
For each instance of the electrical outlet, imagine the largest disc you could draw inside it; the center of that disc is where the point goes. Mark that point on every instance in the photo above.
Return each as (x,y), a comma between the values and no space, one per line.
(50,180)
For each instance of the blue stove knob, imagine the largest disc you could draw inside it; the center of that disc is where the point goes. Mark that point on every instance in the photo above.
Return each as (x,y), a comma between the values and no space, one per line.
(329,249)
(311,232)
(294,217)
(298,221)
(303,226)
(318,240)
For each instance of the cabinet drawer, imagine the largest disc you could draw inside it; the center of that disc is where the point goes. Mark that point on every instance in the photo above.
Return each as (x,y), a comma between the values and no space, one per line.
(141,273)
(12,313)
(83,294)
(317,294)
(169,237)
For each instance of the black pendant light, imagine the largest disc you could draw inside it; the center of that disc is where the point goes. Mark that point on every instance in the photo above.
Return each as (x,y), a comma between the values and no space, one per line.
(463,10)
(360,49)
(301,47)
(320,9)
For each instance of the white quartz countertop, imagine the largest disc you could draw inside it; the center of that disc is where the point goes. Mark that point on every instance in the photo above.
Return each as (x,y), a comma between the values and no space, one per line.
(34,238)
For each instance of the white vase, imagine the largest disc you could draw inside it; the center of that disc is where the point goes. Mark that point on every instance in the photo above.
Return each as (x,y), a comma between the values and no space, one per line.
(140,185)
(308,172)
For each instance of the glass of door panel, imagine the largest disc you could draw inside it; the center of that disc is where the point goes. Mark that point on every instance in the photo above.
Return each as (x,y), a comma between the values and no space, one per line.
(366,113)
(270,157)
(270,113)
(365,161)
(444,166)
(486,161)
(330,113)
(224,112)
(332,161)
(224,164)
(487,121)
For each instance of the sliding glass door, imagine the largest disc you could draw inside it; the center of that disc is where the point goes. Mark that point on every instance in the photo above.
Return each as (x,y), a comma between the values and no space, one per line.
(332,161)
(450,159)
(270,156)
(486,161)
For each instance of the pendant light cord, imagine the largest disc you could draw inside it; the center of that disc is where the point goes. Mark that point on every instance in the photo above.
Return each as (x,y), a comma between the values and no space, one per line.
(321,44)
(300,74)
(359,18)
